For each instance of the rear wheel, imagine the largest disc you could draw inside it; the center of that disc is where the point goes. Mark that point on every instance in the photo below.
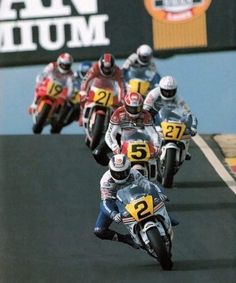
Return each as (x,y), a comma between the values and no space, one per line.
(169,168)
(159,246)
(41,119)
(97,130)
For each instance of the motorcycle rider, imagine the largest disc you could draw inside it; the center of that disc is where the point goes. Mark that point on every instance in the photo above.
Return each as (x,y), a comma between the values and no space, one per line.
(83,68)
(105,67)
(59,70)
(130,115)
(142,58)
(80,74)
(119,175)
(166,93)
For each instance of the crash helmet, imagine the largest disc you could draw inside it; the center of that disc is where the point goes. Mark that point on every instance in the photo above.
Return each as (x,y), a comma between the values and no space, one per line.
(133,103)
(83,69)
(119,166)
(144,53)
(64,63)
(168,87)
(106,64)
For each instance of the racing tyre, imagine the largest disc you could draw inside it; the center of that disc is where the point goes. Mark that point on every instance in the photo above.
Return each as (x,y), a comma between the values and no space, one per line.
(57,127)
(41,119)
(97,131)
(158,245)
(169,171)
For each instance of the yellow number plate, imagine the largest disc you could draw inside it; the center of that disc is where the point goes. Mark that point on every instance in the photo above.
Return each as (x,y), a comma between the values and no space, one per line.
(103,97)
(54,89)
(140,86)
(172,131)
(138,151)
(141,208)
(75,97)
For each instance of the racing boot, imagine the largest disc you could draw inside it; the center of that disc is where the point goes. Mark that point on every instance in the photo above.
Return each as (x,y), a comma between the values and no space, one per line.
(188,156)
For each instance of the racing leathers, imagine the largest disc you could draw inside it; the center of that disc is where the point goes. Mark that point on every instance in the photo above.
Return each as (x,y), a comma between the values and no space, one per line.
(108,208)
(94,72)
(51,72)
(121,120)
(132,63)
(154,102)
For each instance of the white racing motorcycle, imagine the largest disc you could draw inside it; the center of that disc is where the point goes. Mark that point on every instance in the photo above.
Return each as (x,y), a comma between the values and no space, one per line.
(174,125)
(145,216)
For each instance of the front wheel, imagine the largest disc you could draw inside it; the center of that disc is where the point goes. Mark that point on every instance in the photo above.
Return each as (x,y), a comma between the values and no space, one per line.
(97,130)
(169,168)
(158,245)
(41,119)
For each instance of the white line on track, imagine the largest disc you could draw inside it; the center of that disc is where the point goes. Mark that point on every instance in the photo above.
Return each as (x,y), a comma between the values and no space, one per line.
(215,162)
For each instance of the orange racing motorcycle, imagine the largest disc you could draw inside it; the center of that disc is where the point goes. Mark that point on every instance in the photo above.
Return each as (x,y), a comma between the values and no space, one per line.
(51,96)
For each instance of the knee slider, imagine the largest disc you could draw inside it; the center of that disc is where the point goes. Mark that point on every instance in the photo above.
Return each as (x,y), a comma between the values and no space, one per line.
(99,232)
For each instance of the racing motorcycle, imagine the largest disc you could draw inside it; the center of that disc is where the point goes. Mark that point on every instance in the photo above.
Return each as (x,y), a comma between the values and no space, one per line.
(174,125)
(146,218)
(137,145)
(141,80)
(102,98)
(51,97)
(68,113)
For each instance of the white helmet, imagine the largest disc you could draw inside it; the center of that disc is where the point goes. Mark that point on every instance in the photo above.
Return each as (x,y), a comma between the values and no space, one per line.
(168,87)
(119,166)
(144,53)
(64,62)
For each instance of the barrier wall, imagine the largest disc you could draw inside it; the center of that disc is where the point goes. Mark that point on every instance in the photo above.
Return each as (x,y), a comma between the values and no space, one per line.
(35,32)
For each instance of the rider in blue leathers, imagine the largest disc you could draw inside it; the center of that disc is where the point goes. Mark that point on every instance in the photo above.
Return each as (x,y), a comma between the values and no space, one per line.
(119,175)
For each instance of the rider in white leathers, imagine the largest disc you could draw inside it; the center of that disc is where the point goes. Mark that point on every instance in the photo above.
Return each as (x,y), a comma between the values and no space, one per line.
(166,93)
(141,59)
(119,175)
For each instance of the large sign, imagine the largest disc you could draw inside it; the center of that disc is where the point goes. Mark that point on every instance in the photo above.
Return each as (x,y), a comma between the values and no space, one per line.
(37,31)
(20,19)
(178,23)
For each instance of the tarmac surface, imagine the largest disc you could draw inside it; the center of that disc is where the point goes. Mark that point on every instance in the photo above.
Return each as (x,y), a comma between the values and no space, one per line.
(49,201)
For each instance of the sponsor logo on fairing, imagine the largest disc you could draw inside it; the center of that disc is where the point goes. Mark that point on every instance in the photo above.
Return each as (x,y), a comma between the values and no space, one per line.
(27,25)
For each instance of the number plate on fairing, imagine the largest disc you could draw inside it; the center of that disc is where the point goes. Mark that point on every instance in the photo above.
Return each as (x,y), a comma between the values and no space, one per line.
(138,151)
(172,131)
(141,208)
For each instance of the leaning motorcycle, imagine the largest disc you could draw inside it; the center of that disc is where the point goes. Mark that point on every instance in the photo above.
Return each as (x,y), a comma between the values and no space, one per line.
(69,113)
(137,145)
(174,125)
(146,218)
(141,80)
(51,97)
(102,99)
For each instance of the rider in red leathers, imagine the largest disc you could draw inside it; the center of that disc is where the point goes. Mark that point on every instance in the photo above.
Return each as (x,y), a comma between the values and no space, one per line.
(130,115)
(59,70)
(105,67)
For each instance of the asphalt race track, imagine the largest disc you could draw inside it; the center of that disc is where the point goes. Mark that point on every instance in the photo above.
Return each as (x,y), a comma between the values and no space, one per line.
(49,199)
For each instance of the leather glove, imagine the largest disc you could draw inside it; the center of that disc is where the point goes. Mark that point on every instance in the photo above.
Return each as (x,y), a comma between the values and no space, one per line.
(163,197)
(116,150)
(116,216)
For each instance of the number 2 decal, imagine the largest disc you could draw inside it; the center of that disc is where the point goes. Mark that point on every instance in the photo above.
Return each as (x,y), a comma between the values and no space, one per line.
(141,208)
